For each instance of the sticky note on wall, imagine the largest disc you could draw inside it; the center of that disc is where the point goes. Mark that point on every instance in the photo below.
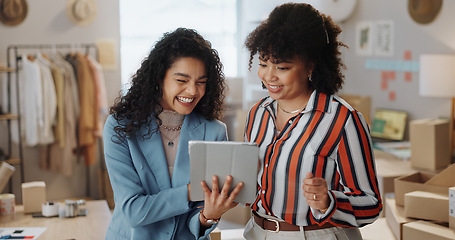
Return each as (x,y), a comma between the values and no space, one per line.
(107,54)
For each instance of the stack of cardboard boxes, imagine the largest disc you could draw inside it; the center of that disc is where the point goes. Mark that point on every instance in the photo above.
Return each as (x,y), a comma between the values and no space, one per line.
(420,207)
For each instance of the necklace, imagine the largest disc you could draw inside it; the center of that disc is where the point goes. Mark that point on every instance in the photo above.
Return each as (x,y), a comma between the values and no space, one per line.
(170,143)
(171,129)
(292,112)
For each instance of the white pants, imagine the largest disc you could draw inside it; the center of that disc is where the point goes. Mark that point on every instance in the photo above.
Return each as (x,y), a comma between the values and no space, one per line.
(255,232)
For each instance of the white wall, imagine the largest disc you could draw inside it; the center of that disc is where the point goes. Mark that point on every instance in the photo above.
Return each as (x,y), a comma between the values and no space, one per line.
(47,23)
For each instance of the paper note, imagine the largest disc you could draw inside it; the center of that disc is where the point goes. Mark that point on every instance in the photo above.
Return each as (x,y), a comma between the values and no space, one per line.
(107,54)
(407,55)
(21,233)
(392,96)
(384,83)
(408,76)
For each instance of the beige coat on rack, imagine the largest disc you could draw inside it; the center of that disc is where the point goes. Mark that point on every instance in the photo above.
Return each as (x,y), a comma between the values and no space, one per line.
(88,118)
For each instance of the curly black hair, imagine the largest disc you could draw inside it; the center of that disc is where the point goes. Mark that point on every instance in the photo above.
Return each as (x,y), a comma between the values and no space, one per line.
(299,30)
(143,97)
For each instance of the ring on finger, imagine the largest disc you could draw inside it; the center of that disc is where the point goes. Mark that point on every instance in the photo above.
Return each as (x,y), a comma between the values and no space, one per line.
(231,198)
(224,195)
(314,197)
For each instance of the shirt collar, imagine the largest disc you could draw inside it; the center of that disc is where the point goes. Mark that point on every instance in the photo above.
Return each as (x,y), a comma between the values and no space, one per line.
(318,102)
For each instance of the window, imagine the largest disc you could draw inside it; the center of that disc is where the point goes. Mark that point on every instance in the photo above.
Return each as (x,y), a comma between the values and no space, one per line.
(143,22)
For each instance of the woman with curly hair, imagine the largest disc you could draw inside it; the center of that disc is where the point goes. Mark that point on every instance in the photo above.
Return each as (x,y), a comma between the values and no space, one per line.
(317,177)
(175,96)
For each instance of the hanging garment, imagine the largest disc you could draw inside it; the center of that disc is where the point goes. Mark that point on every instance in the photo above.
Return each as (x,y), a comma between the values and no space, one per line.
(59,128)
(30,103)
(49,101)
(100,94)
(88,117)
(62,158)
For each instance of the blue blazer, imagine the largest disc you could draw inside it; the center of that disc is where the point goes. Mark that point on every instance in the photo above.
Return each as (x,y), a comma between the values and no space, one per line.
(148,204)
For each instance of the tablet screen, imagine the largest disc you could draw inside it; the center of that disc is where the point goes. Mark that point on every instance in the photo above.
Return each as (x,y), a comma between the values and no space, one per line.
(238,159)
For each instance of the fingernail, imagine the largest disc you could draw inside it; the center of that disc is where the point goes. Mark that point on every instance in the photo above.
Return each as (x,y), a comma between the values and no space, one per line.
(213,177)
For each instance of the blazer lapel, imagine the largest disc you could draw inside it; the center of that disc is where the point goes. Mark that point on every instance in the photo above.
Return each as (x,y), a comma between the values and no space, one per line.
(192,129)
(154,156)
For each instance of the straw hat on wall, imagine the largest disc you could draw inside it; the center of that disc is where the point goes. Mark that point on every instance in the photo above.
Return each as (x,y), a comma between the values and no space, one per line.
(13,12)
(424,11)
(81,12)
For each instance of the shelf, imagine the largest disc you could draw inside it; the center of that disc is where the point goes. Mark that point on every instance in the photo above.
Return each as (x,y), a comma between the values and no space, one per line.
(13,161)
(8,116)
(4,69)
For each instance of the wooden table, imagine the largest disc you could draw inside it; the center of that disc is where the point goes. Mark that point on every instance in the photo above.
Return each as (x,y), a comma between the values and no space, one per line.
(92,226)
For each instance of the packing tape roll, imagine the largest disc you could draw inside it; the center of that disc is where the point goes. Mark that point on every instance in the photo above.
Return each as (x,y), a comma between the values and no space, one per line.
(7,202)
(49,209)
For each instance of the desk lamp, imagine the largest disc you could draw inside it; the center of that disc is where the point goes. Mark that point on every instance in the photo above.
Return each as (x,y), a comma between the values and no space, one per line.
(437,79)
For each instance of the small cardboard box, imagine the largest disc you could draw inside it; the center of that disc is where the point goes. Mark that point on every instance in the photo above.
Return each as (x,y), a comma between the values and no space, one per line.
(452,208)
(33,196)
(424,181)
(239,215)
(240,121)
(395,218)
(387,169)
(413,202)
(429,143)
(215,234)
(424,230)
(360,103)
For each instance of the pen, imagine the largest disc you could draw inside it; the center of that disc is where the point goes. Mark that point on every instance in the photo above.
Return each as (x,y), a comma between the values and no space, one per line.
(16,237)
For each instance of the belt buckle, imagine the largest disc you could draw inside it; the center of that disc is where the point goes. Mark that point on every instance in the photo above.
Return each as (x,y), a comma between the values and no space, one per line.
(277,225)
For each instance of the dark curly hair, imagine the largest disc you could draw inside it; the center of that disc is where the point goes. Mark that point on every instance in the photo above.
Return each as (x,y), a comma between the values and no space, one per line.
(299,30)
(142,100)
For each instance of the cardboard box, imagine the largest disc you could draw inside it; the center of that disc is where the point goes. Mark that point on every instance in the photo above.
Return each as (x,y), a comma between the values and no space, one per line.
(240,121)
(33,196)
(360,103)
(395,217)
(424,181)
(424,230)
(452,208)
(429,143)
(377,230)
(387,169)
(215,234)
(445,178)
(414,202)
(239,215)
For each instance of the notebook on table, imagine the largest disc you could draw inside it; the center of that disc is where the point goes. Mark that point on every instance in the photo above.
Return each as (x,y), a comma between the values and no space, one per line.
(388,131)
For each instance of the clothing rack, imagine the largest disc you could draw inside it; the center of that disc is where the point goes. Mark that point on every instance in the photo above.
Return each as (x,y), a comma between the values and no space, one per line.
(13,56)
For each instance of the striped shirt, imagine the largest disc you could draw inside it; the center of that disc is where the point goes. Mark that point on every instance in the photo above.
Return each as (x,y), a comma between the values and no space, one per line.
(330,139)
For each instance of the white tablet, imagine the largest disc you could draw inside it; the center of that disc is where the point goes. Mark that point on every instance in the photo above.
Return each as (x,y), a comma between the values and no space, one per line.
(238,159)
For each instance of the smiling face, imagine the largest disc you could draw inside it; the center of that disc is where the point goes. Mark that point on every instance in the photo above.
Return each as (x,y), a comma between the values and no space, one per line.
(286,80)
(184,85)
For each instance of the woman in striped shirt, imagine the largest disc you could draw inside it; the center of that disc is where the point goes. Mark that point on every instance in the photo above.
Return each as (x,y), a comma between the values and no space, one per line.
(317,177)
